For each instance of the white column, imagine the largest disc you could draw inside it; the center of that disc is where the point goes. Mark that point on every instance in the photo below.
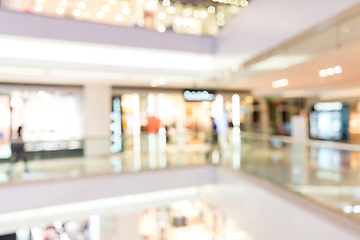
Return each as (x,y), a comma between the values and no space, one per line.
(97,109)
(14,5)
(127,226)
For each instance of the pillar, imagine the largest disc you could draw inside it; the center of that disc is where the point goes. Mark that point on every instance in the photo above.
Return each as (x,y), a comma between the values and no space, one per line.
(127,226)
(98,102)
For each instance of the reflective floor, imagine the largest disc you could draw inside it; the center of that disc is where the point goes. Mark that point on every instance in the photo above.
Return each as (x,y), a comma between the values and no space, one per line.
(327,175)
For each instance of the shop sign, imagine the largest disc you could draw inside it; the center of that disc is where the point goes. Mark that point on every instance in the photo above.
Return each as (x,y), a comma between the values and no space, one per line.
(328,106)
(198,95)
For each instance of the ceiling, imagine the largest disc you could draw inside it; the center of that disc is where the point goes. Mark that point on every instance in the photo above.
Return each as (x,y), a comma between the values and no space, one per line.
(266,24)
(304,79)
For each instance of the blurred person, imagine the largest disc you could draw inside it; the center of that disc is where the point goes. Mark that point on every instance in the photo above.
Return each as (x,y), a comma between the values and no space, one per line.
(213,139)
(50,233)
(162,222)
(86,230)
(153,124)
(18,151)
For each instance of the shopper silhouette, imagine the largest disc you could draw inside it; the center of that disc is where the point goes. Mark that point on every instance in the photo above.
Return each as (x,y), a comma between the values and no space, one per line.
(18,151)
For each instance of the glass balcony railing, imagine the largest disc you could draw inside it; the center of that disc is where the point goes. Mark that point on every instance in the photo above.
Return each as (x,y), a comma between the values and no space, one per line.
(325,172)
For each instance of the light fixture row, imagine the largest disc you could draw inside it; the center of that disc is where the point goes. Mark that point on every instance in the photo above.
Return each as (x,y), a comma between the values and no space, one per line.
(330,71)
(189,23)
(322,73)
(158,82)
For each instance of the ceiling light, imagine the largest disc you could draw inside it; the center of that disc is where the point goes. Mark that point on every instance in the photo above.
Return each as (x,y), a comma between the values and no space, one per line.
(171,10)
(192,23)
(178,21)
(81,5)
(106,8)
(280,83)
(187,12)
(244,3)
(196,13)
(166,3)
(87,14)
(347,209)
(161,28)
(112,2)
(356,209)
(211,9)
(220,15)
(125,11)
(60,10)
(124,4)
(162,15)
(162,81)
(77,12)
(203,14)
(119,17)
(38,8)
(323,73)
(154,83)
(100,15)
(330,71)
(63,3)
(337,69)
(221,22)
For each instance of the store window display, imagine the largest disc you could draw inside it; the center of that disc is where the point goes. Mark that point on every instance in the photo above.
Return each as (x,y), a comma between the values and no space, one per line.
(51,120)
(5,123)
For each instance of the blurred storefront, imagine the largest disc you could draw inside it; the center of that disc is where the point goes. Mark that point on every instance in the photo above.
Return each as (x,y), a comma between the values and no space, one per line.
(51,120)
(198,219)
(70,121)
(190,114)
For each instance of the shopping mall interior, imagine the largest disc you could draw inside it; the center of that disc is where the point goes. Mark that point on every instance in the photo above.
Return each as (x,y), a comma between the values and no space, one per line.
(179,119)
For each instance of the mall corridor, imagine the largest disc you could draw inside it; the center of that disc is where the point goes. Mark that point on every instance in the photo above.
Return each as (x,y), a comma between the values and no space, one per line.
(173,120)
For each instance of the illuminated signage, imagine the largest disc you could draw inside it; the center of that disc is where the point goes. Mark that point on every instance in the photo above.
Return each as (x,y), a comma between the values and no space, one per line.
(115,126)
(198,95)
(328,106)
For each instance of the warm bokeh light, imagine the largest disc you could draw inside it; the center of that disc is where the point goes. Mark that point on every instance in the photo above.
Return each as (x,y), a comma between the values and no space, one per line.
(280,83)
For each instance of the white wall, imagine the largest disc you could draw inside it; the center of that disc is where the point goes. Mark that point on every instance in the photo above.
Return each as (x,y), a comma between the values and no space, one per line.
(98,103)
